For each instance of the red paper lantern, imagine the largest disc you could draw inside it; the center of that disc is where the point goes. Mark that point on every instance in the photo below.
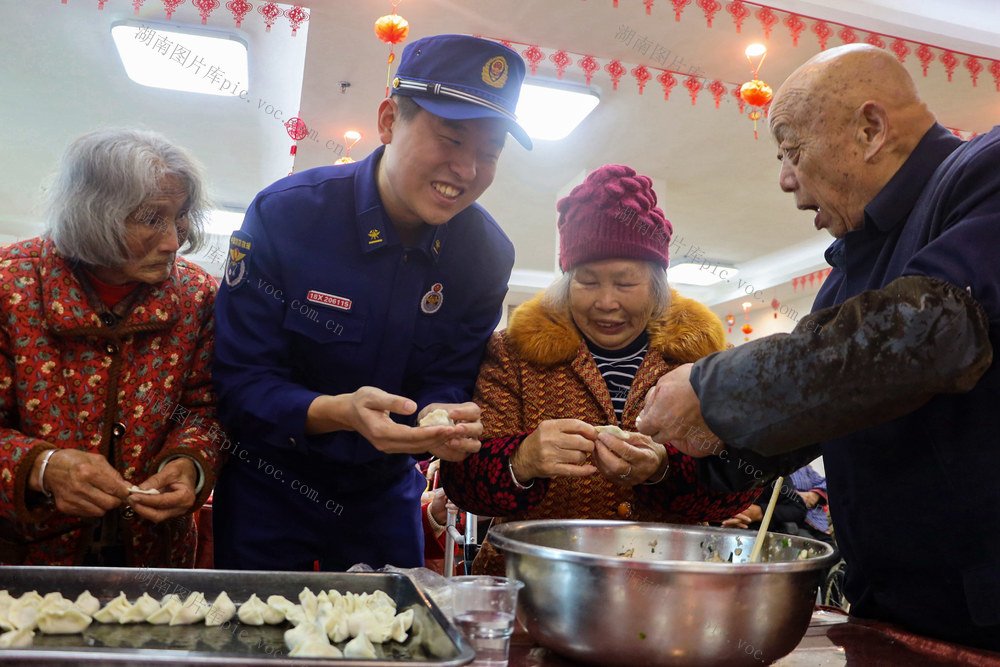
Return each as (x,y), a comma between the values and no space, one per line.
(746,329)
(756,93)
(392,28)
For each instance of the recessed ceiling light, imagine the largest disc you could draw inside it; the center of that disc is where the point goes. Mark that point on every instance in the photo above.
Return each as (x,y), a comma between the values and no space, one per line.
(700,274)
(551,112)
(189,59)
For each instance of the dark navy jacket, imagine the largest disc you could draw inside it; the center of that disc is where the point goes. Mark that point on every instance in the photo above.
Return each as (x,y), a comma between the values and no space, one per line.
(330,300)
(915,501)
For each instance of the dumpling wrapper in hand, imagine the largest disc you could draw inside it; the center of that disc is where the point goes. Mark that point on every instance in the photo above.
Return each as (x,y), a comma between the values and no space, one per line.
(141,610)
(168,607)
(221,611)
(613,430)
(62,617)
(87,603)
(148,492)
(193,610)
(360,647)
(113,611)
(17,638)
(437,417)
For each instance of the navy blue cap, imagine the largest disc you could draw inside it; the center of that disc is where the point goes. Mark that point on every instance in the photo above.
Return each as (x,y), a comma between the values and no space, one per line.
(460,77)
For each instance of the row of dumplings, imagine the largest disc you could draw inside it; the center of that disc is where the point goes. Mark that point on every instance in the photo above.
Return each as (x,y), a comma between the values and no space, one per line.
(365,618)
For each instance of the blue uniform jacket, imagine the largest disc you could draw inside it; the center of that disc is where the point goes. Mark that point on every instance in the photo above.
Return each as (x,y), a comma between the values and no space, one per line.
(324,299)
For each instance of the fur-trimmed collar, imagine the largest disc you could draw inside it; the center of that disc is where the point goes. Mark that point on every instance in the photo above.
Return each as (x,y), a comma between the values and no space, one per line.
(687,332)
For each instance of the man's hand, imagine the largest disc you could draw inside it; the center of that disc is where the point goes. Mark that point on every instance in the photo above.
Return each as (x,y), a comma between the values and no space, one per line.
(557,448)
(672,413)
(743,520)
(810,498)
(468,428)
(176,483)
(639,458)
(82,484)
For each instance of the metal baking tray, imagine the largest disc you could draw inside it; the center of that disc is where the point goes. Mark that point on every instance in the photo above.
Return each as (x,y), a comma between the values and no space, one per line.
(433,640)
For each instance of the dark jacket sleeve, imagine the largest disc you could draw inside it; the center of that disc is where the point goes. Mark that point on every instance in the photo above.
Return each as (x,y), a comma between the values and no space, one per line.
(873,358)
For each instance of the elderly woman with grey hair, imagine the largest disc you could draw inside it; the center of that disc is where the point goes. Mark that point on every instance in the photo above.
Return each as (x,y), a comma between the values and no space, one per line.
(107,418)
(581,357)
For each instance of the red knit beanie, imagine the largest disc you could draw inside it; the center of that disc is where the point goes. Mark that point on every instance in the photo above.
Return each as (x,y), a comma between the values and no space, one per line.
(612,215)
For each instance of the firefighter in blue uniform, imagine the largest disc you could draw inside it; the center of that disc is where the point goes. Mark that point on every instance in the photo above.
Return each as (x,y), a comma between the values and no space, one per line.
(357,299)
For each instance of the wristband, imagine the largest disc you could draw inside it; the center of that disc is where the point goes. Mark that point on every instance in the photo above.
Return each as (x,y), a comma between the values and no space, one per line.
(662,477)
(41,472)
(510,467)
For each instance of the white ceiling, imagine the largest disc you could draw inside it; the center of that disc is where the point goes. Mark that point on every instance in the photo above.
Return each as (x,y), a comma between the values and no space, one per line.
(60,76)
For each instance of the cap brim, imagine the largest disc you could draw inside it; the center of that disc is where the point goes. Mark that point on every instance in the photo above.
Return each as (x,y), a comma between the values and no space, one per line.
(456,110)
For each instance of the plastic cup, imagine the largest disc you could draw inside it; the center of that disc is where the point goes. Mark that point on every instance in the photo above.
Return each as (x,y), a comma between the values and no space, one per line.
(484,611)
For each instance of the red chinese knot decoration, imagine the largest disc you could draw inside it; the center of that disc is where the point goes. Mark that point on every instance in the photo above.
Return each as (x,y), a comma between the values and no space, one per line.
(642,75)
(240,9)
(205,8)
(270,12)
(616,70)
(533,55)
(296,16)
(718,89)
(775,304)
(795,26)
(730,320)
(711,8)
(668,81)
(561,60)
(589,66)
(679,6)
(739,13)
(694,86)
(170,6)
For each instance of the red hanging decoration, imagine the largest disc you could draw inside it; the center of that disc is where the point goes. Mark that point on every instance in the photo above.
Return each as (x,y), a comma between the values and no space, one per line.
(270,12)
(693,84)
(767,20)
(795,26)
(616,70)
(137,4)
(901,49)
(533,55)
(648,3)
(240,9)
(100,3)
(679,6)
(950,63)
(926,56)
(739,98)
(205,8)
(297,130)
(711,8)
(746,329)
(995,71)
(392,29)
(756,93)
(822,32)
(562,61)
(641,75)
(589,66)
(296,16)
(875,40)
(730,320)
(975,67)
(795,284)
(718,89)
(775,304)
(847,35)
(739,13)
(170,6)
(668,81)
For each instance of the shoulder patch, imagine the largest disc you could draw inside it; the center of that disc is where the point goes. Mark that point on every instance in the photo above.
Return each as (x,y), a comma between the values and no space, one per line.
(238,261)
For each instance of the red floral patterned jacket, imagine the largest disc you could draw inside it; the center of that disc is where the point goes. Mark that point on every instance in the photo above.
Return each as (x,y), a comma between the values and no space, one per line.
(137,391)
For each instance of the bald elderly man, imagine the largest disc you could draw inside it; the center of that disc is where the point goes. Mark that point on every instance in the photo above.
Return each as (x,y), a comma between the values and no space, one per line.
(891,376)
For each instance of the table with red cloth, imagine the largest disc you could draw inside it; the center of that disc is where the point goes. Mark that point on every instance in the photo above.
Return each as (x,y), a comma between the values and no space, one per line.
(833,638)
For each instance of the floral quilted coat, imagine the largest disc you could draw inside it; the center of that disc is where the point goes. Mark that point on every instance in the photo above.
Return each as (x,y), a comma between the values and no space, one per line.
(135,389)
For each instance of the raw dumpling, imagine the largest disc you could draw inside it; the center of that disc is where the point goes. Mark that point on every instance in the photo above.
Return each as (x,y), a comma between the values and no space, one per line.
(437,417)
(305,633)
(62,617)
(17,638)
(380,599)
(150,492)
(5,601)
(310,604)
(51,597)
(221,611)
(143,608)
(23,612)
(256,612)
(613,430)
(87,603)
(401,624)
(168,607)
(113,611)
(335,622)
(279,604)
(359,647)
(193,610)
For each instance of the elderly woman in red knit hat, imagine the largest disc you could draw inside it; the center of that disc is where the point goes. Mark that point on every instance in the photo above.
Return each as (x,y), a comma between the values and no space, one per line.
(583,354)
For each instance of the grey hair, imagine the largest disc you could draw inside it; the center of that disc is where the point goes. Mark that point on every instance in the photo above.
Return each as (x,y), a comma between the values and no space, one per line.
(104,176)
(556,296)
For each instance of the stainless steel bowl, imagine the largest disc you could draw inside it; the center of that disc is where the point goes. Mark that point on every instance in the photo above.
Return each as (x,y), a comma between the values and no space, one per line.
(620,593)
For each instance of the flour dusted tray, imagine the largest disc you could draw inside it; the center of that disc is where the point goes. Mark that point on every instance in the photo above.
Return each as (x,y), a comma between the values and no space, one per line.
(433,640)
